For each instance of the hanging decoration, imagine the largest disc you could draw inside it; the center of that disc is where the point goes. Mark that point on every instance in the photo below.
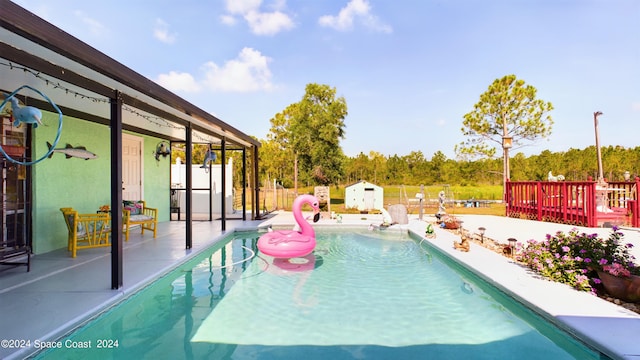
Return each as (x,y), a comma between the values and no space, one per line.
(209,158)
(53,83)
(24,114)
(162,149)
(29,115)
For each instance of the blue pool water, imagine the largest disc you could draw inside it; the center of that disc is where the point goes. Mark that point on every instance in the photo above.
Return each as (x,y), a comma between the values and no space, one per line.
(360,295)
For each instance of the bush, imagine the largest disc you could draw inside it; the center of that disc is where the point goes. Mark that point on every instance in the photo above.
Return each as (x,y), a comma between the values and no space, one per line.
(575,258)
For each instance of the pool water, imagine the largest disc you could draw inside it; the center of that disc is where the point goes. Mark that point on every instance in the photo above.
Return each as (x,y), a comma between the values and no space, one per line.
(360,295)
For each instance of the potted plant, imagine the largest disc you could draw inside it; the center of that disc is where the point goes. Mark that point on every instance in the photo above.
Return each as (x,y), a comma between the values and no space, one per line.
(451,222)
(620,283)
(585,261)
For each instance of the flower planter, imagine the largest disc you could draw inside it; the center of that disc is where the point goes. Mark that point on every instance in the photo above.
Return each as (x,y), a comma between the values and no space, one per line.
(451,225)
(14,150)
(623,288)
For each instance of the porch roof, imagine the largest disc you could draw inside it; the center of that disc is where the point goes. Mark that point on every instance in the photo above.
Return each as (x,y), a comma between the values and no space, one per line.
(48,55)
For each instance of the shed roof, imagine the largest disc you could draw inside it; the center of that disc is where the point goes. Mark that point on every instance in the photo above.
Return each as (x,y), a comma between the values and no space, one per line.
(362,182)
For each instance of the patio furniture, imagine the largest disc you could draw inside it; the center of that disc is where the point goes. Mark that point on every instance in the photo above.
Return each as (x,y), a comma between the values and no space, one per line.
(136,213)
(175,202)
(86,231)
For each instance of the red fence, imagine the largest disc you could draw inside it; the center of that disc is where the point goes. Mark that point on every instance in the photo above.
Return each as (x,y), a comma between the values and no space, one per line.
(574,202)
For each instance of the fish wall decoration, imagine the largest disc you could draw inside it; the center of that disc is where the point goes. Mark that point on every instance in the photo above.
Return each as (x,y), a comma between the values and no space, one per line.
(70,151)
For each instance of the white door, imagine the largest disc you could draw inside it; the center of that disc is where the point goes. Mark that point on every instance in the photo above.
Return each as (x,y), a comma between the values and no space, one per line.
(369,198)
(131,167)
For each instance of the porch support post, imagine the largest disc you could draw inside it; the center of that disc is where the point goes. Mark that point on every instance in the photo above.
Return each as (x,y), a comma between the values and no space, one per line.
(256,190)
(210,197)
(244,184)
(223,167)
(189,187)
(116,191)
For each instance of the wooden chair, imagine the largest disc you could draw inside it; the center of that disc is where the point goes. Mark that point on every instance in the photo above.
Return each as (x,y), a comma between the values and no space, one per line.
(136,213)
(66,221)
(86,231)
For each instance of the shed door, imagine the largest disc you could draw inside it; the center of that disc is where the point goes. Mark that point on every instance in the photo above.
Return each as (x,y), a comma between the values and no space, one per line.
(369,198)
(131,167)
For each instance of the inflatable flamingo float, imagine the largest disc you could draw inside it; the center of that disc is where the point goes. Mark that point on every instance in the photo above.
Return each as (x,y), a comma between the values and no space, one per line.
(291,243)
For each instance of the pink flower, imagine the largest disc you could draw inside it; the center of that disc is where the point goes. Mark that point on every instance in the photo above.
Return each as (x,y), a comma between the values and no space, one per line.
(603,261)
(616,269)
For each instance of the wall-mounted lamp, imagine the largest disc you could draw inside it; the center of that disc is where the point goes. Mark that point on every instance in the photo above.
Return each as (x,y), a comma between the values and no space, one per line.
(512,246)
(162,149)
(481,230)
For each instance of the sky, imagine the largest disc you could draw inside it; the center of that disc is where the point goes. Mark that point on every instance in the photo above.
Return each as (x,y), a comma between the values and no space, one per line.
(408,69)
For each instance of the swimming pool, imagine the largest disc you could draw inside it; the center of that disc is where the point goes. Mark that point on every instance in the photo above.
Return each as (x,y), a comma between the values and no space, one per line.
(361,295)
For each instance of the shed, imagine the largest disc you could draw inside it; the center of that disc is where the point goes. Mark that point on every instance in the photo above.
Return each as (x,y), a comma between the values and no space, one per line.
(363,195)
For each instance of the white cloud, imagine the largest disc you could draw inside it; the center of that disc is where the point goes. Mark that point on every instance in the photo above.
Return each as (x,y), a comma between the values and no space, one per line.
(228,20)
(249,72)
(95,27)
(161,32)
(356,10)
(260,23)
(175,82)
(241,7)
(268,23)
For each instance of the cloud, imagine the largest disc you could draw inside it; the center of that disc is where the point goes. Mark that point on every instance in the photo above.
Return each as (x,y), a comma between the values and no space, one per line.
(260,23)
(175,82)
(240,7)
(356,10)
(635,106)
(249,72)
(95,27)
(246,73)
(268,23)
(161,32)
(228,20)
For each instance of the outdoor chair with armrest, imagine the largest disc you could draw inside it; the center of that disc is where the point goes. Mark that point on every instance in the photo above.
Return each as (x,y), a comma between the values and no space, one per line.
(136,213)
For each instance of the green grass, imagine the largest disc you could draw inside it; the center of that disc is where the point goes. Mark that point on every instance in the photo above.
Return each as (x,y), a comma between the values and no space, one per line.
(398,194)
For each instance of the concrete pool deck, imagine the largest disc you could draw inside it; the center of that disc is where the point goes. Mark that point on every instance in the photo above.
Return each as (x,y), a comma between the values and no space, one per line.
(60,292)
(609,328)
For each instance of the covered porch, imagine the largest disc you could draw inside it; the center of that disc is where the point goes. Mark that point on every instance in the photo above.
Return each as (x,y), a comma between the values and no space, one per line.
(102,103)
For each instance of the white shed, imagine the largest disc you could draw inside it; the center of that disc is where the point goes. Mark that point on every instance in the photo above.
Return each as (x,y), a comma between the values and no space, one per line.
(363,195)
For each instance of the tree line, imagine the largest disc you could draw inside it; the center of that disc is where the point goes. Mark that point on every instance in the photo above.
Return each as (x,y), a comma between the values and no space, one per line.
(302,147)
(415,169)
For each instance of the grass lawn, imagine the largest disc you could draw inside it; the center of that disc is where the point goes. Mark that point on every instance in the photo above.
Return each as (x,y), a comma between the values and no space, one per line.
(406,195)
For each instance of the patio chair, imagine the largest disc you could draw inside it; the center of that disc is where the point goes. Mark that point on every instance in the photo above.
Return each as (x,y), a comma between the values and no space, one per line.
(86,231)
(66,221)
(136,213)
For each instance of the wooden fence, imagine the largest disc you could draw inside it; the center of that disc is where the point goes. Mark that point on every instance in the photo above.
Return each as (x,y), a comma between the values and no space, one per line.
(574,202)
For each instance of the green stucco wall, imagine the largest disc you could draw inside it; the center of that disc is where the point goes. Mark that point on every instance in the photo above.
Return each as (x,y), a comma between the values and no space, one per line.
(83,184)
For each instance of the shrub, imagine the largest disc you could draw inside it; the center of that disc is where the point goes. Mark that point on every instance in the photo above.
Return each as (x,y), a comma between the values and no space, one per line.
(575,258)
